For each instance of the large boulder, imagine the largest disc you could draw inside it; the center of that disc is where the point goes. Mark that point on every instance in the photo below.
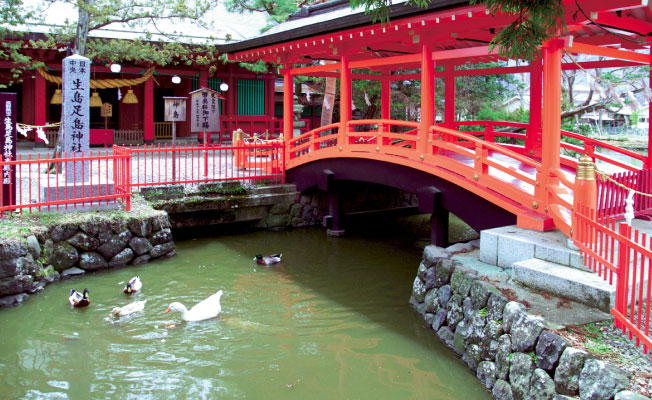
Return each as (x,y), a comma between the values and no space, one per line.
(455,313)
(549,348)
(433,254)
(16,266)
(461,281)
(122,258)
(444,294)
(70,272)
(64,256)
(471,357)
(502,390)
(526,329)
(141,227)
(600,380)
(34,246)
(520,374)
(443,272)
(487,374)
(490,335)
(541,386)
(8,301)
(440,319)
(160,237)
(629,395)
(161,249)
(418,288)
(510,312)
(447,336)
(115,245)
(495,306)
(16,284)
(429,276)
(92,261)
(432,305)
(141,259)
(140,245)
(479,294)
(84,242)
(61,232)
(567,374)
(503,356)
(12,248)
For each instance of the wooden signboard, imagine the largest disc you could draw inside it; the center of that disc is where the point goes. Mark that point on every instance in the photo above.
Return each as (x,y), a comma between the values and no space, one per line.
(175,108)
(107,110)
(205,111)
(8,112)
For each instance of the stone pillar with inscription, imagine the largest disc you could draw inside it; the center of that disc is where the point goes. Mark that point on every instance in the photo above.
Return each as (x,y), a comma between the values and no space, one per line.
(75,115)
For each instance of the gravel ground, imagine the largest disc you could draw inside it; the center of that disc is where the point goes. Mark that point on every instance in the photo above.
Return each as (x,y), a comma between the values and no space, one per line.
(196,165)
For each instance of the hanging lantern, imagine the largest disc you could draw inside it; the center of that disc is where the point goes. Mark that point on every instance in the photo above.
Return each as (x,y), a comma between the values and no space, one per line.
(57,98)
(95,101)
(130,97)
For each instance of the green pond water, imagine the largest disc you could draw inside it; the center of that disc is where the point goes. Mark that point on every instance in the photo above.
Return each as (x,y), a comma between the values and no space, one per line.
(331,322)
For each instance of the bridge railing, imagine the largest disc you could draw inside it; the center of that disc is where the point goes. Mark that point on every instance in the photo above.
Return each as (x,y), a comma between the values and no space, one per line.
(488,164)
(320,138)
(509,134)
(383,136)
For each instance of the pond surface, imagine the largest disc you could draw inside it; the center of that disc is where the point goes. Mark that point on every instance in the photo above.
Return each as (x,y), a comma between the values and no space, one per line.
(331,322)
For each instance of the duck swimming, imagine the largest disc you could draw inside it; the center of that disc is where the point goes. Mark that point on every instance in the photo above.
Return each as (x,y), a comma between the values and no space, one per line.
(134,285)
(205,309)
(77,299)
(268,260)
(130,308)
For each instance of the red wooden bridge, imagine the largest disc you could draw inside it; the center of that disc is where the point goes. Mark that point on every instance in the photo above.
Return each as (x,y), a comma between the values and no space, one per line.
(451,167)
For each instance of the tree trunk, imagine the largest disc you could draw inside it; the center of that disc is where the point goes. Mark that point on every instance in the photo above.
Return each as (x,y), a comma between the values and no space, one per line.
(329,100)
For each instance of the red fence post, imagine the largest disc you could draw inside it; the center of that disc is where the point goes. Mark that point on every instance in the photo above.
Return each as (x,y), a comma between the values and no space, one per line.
(585,189)
(623,274)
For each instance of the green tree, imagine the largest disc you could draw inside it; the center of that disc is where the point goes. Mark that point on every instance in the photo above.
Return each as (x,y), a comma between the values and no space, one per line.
(535,21)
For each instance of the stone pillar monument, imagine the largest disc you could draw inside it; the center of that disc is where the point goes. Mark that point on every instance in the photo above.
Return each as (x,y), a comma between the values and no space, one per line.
(297,124)
(75,114)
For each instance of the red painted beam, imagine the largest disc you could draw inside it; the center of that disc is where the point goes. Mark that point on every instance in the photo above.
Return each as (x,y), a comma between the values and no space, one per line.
(608,52)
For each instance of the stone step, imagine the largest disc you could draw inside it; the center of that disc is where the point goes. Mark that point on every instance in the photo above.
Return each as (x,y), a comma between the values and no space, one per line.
(582,286)
(507,245)
(274,189)
(571,283)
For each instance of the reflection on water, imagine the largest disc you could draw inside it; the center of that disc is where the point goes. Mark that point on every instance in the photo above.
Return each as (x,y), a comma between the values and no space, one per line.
(331,321)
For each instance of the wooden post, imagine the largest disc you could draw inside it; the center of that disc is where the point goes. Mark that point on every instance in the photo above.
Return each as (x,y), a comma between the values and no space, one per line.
(551,118)
(40,102)
(288,102)
(345,101)
(649,122)
(449,96)
(385,98)
(533,139)
(148,111)
(427,99)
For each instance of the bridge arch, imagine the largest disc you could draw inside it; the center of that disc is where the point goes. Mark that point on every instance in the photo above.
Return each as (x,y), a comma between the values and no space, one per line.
(436,195)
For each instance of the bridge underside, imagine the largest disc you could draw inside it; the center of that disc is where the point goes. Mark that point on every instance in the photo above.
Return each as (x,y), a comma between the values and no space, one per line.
(436,195)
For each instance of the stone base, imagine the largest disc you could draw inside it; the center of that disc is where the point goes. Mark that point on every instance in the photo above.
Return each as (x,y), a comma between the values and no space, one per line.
(335,232)
(59,190)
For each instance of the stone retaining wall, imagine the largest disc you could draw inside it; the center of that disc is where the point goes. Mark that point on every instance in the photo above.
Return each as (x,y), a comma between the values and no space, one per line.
(510,351)
(83,242)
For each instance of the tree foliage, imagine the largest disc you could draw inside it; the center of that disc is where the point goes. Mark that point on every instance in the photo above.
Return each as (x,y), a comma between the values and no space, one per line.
(535,22)
(134,15)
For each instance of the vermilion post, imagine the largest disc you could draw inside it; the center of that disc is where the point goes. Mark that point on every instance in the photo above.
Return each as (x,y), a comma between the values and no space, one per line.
(288,102)
(449,96)
(649,120)
(148,112)
(585,191)
(533,139)
(551,117)
(385,98)
(427,98)
(345,100)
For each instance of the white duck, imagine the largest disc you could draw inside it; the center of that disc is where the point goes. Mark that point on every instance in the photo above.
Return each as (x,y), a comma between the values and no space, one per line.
(134,285)
(205,309)
(136,306)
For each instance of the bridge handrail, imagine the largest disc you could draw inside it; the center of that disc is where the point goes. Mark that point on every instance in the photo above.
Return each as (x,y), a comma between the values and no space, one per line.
(410,124)
(491,146)
(310,134)
(590,144)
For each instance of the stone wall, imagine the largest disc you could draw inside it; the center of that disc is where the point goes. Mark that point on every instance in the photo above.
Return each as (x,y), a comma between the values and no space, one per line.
(78,243)
(510,351)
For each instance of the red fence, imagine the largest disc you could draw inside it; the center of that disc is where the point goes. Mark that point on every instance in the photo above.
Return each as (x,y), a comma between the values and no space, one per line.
(109,178)
(614,250)
(611,197)
(102,179)
(162,165)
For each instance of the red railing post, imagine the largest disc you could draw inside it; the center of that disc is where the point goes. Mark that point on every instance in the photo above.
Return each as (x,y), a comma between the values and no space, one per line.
(623,274)
(585,191)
